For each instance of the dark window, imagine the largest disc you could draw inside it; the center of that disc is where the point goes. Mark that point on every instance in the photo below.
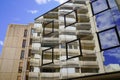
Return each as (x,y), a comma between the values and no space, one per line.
(30,42)
(20,67)
(48,70)
(24,44)
(31,68)
(25,33)
(18,77)
(89,70)
(38,34)
(22,54)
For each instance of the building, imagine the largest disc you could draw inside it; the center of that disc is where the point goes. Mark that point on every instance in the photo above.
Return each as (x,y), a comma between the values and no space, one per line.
(61,44)
(14,56)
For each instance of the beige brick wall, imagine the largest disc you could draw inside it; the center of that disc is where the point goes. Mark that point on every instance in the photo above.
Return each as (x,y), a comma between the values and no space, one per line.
(11,52)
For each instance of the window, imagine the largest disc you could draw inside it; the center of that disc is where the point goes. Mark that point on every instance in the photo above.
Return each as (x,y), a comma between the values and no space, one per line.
(105,20)
(89,70)
(77,43)
(70,18)
(48,28)
(24,44)
(99,6)
(25,33)
(50,70)
(108,38)
(48,52)
(31,68)
(38,34)
(22,54)
(18,77)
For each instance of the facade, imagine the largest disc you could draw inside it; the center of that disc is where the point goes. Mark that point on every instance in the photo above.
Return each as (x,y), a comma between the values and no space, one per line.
(14,56)
(61,44)
(65,44)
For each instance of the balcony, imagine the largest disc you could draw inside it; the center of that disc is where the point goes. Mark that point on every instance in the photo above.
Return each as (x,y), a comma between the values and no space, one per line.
(83,32)
(80,1)
(33,75)
(67,32)
(51,15)
(83,26)
(88,46)
(48,42)
(88,52)
(67,6)
(50,19)
(88,63)
(35,50)
(50,75)
(81,8)
(36,39)
(76,52)
(69,75)
(37,29)
(35,62)
(83,18)
(62,12)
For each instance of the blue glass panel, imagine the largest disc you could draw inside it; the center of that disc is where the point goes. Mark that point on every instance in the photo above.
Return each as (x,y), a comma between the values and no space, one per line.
(99,5)
(108,39)
(112,56)
(104,20)
(116,14)
(112,3)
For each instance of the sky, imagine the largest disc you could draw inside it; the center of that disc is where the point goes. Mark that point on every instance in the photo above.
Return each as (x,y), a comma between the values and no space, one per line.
(22,12)
(25,11)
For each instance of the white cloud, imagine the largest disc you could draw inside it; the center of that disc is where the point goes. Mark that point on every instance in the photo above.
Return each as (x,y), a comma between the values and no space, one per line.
(42,1)
(32,11)
(61,1)
(1,43)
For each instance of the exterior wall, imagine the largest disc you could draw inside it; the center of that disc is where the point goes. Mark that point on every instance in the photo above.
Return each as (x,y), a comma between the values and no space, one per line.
(10,58)
(73,67)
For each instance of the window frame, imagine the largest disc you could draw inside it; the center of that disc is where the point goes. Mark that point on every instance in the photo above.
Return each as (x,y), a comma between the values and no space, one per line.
(42,63)
(91,3)
(44,26)
(65,22)
(117,34)
(25,33)
(80,49)
(24,43)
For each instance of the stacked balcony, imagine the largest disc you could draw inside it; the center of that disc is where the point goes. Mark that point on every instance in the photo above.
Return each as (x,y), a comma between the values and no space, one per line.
(55,36)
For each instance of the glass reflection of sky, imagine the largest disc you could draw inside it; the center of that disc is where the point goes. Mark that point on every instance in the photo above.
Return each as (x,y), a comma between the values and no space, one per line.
(112,56)
(99,6)
(104,20)
(108,39)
